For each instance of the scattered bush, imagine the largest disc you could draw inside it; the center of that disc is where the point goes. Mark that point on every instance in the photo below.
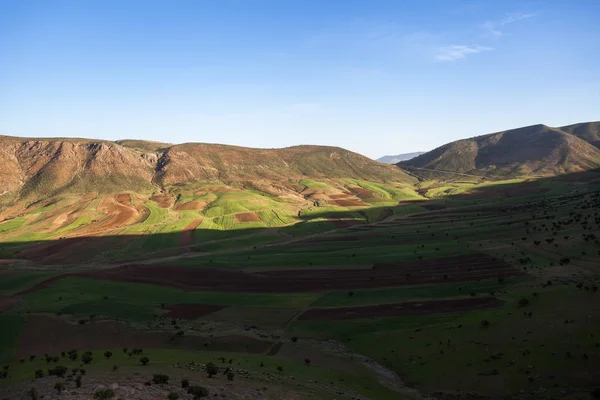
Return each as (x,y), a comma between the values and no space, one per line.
(523,302)
(87,358)
(33,394)
(279,368)
(307,361)
(39,373)
(230,375)
(108,354)
(198,391)
(185,383)
(104,394)
(144,360)
(160,379)
(211,369)
(59,386)
(58,371)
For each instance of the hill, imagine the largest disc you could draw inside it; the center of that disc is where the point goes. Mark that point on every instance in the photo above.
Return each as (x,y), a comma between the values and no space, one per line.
(35,169)
(536,150)
(399,157)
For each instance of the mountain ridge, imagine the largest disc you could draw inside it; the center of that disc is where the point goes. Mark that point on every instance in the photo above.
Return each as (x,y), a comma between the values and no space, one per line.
(394,159)
(532,150)
(36,168)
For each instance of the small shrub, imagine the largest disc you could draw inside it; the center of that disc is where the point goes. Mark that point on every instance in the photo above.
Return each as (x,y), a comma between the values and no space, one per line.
(485,323)
(523,302)
(108,354)
(58,371)
(104,394)
(87,358)
(59,386)
(115,367)
(78,381)
(160,379)
(211,369)
(185,383)
(198,391)
(33,394)
(307,361)
(39,373)
(279,368)
(144,360)
(230,375)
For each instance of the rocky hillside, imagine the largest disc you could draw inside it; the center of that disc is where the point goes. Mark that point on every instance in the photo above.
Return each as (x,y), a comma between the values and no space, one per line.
(34,169)
(536,150)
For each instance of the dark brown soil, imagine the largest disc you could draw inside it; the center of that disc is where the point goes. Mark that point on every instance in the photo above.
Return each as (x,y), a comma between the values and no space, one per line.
(195,205)
(163,200)
(453,269)
(247,217)
(7,303)
(346,203)
(186,237)
(191,311)
(400,309)
(47,335)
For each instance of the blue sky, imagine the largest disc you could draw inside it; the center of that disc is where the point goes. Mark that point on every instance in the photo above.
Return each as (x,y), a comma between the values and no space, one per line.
(377,77)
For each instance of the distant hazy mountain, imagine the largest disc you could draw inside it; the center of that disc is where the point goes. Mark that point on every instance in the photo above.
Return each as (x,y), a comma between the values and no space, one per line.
(400,157)
(532,150)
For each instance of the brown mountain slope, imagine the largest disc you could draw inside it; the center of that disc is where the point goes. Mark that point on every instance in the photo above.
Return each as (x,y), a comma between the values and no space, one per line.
(588,131)
(533,150)
(35,169)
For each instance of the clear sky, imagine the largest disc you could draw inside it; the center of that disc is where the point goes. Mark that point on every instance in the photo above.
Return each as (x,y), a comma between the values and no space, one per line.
(377,77)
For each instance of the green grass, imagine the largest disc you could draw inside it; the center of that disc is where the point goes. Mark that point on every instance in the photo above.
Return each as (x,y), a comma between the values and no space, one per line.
(410,293)
(13,281)
(11,327)
(310,184)
(12,224)
(140,302)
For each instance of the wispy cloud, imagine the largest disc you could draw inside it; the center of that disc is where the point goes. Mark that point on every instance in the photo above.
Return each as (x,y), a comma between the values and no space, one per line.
(458,52)
(494,28)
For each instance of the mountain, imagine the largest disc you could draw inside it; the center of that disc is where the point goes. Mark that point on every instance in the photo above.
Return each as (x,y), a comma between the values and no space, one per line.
(35,169)
(536,150)
(588,131)
(400,157)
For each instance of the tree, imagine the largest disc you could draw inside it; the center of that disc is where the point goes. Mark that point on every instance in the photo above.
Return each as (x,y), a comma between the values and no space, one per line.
(198,391)
(87,358)
(211,369)
(108,354)
(144,360)
(59,386)
(104,394)
(185,383)
(173,396)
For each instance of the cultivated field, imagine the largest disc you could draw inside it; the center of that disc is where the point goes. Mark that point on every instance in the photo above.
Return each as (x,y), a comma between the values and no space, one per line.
(347,289)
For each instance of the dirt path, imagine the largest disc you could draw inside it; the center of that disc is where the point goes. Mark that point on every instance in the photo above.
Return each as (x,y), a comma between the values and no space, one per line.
(386,377)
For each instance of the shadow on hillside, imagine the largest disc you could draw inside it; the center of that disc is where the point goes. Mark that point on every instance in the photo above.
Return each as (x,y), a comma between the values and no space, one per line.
(122,249)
